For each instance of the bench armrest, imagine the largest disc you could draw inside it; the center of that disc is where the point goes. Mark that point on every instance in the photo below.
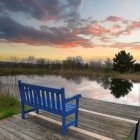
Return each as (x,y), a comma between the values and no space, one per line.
(76,97)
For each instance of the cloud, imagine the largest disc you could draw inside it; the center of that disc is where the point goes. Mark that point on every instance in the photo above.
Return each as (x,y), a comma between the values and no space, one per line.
(71,30)
(116,27)
(126,21)
(122,45)
(61,37)
(74,3)
(128,29)
(114,18)
(41,10)
(133,26)
(52,36)
(45,10)
(94,30)
(106,39)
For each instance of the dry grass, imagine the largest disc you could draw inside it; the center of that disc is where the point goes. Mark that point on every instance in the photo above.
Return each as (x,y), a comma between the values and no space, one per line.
(88,73)
(135,77)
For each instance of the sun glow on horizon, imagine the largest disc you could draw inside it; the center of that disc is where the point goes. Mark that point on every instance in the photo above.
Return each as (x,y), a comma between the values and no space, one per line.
(58,29)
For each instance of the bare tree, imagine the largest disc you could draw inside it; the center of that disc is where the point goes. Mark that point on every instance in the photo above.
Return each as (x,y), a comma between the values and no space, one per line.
(73,62)
(13,59)
(31,60)
(108,64)
(41,61)
(96,65)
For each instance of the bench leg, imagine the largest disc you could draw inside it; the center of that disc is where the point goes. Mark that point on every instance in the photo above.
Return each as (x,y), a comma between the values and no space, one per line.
(22,111)
(76,113)
(76,118)
(63,129)
(37,111)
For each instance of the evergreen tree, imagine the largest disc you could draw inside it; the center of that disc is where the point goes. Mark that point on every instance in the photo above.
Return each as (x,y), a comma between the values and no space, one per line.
(123,62)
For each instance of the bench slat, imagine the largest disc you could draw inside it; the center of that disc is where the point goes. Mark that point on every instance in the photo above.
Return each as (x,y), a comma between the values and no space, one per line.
(53,101)
(31,96)
(48,99)
(58,101)
(27,95)
(39,98)
(43,99)
(35,97)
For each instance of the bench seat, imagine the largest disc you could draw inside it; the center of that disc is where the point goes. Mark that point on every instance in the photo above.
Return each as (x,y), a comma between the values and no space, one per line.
(68,106)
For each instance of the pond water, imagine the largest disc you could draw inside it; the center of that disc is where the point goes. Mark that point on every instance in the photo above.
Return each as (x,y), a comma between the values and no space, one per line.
(101,88)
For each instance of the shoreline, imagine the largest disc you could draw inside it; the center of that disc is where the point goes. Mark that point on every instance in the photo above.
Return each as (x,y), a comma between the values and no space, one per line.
(135,77)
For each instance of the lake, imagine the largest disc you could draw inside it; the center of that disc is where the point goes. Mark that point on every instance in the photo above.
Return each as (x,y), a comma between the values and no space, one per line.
(101,88)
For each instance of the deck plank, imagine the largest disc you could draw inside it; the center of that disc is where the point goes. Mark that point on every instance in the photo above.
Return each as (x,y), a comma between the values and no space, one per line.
(120,110)
(34,128)
(101,125)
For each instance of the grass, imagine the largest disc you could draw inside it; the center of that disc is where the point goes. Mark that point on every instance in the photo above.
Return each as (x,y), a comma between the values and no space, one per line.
(19,71)
(127,138)
(131,76)
(9,106)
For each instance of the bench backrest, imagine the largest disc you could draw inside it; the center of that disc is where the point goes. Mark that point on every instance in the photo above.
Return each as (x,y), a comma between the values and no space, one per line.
(46,98)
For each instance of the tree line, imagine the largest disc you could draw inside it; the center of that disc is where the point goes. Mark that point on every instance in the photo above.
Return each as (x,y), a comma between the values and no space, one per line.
(70,63)
(122,62)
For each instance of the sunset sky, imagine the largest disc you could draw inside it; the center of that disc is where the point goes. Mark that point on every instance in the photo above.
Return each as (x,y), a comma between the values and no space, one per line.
(56,29)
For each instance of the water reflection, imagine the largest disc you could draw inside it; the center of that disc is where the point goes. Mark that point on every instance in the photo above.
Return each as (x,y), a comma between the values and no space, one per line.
(103,88)
(120,87)
(105,82)
(73,78)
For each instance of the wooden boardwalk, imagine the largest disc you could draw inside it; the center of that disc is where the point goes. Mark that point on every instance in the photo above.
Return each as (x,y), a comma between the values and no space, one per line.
(102,121)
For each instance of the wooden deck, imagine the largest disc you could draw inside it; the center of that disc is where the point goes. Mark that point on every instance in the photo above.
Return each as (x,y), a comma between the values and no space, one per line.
(98,120)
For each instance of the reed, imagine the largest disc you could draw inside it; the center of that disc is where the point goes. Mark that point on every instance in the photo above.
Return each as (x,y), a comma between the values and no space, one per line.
(9,106)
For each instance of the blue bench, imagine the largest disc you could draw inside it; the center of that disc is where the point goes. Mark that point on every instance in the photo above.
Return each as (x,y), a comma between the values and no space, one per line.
(51,100)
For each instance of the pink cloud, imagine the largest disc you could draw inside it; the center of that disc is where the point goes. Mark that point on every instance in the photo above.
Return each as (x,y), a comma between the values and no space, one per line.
(126,22)
(134,25)
(106,39)
(96,29)
(129,29)
(116,27)
(121,45)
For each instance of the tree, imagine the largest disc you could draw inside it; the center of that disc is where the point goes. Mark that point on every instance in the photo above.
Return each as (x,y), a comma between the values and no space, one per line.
(136,67)
(108,64)
(123,62)
(13,59)
(96,65)
(41,61)
(73,62)
(30,60)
